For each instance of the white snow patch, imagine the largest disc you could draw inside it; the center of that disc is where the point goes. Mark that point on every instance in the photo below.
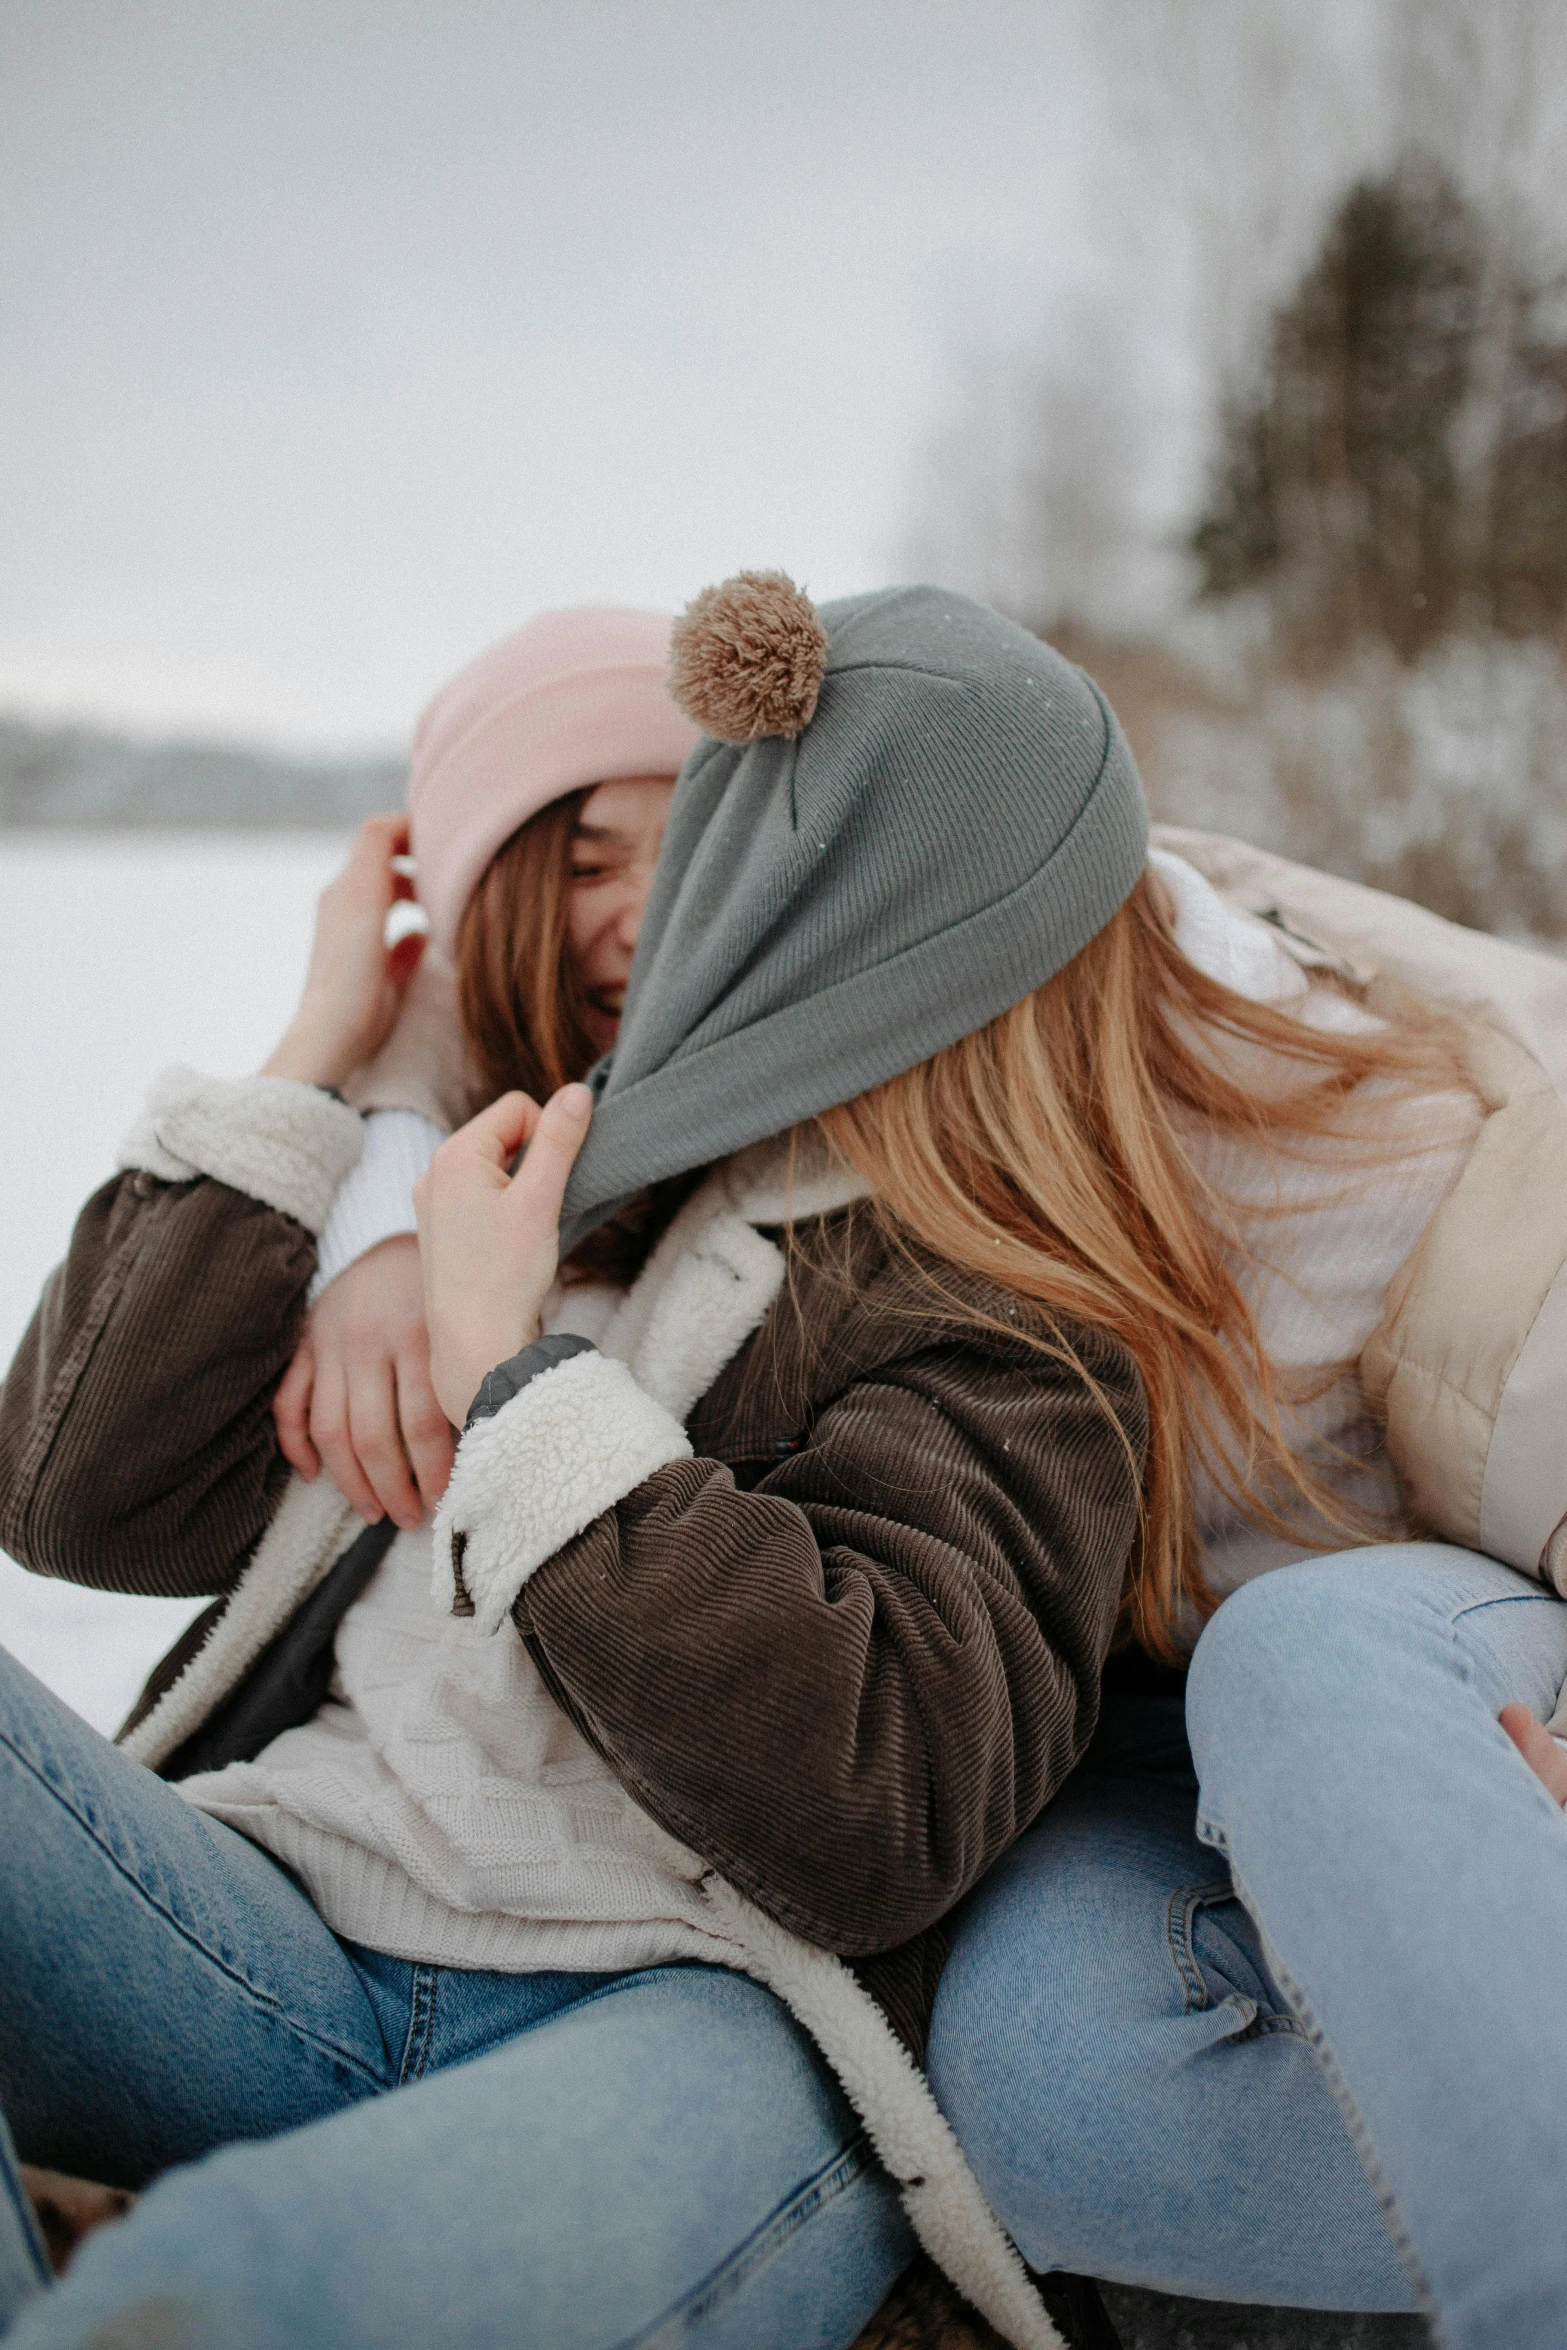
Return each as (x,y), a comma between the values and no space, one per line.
(118,955)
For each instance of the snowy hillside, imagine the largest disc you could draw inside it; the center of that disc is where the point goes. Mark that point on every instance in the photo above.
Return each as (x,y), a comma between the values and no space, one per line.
(79,775)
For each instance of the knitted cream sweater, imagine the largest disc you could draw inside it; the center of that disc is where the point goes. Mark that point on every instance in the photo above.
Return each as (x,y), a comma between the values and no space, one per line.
(441,1807)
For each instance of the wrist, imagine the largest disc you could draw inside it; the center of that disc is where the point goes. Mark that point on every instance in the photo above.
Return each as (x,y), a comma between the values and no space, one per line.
(312,1055)
(458,1372)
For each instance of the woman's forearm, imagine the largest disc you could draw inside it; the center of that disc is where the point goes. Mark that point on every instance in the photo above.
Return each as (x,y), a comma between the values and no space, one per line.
(850,1684)
(137,1450)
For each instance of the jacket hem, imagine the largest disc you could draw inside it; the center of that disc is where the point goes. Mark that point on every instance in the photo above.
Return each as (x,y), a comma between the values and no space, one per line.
(913,2140)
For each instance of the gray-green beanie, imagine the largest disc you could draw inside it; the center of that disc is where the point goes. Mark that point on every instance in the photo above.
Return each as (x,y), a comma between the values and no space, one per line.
(918,815)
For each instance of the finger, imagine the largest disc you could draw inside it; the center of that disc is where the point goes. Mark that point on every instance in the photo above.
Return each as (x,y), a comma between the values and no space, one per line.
(383,836)
(497,1134)
(377,1438)
(562,1129)
(427,1433)
(1545,1755)
(329,1433)
(291,1414)
(402,864)
(378,840)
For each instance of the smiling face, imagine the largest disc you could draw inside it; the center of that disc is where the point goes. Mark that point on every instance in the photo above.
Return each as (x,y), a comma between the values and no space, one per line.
(614,850)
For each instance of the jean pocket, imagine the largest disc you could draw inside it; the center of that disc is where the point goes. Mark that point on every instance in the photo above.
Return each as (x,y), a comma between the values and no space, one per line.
(1218,1955)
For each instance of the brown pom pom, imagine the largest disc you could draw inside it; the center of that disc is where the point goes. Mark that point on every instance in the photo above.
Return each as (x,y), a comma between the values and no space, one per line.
(746,659)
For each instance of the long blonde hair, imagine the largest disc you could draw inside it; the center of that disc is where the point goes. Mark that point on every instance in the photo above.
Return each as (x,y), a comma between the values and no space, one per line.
(1046,1151)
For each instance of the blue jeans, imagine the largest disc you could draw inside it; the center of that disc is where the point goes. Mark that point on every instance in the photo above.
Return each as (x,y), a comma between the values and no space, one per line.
(565,2161)
(1292,2029)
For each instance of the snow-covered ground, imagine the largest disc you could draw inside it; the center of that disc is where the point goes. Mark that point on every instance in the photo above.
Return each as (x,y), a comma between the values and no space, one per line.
(118,955)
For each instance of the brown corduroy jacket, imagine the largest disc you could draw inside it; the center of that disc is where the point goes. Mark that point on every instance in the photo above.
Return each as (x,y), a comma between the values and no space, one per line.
(833,1603)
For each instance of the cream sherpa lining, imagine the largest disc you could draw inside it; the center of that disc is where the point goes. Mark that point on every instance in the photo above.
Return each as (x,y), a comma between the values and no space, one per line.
(705,1290)
(912,2137)
(287,1145)
(577,1439)
(314,1525)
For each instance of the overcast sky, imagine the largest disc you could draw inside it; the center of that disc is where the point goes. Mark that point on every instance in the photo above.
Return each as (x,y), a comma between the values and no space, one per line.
(337,337)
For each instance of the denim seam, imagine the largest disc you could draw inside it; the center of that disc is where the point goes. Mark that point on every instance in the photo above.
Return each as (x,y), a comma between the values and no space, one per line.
(421,2024)
(1360,2138)
(27,2221)
(721,2284)
(611,1984)
(1181,1919)
(1480,1607)
(1184,1906)
(420,2036)
(252,1991)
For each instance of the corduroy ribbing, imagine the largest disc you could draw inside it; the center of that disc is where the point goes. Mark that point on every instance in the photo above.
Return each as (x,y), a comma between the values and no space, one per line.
(90,1510)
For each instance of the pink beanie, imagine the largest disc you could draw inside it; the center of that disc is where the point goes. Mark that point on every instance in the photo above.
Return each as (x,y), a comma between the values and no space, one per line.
(575,698)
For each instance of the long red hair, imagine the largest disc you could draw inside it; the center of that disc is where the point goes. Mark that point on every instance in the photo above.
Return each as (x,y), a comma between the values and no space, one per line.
(524,1012)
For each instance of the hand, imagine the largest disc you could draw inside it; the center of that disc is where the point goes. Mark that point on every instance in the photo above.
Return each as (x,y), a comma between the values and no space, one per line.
(355,982)
(357,1398)
(1546,1756)
(489,1242)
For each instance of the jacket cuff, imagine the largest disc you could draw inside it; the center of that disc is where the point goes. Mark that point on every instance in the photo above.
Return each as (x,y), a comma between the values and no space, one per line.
(284,1144)
(508,1379)
(578,1438)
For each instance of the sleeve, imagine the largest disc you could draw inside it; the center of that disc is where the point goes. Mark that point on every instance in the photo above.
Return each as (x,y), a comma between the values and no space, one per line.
(851,1684)
(374,1201)
(137,1451)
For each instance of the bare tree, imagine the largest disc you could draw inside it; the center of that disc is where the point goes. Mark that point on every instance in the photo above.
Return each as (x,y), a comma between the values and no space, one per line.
(1060,483)
(1475,88)
(1263,112)
(1353,210)
(1248,118)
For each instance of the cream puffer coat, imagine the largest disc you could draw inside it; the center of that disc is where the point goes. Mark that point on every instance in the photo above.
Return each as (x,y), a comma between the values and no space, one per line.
(1468,1366)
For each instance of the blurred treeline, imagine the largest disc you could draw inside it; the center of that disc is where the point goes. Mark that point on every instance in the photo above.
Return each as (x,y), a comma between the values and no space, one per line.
(1348,639)
(90,776)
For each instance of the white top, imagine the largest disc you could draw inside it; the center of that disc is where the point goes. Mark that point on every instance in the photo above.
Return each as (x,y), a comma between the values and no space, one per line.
(1316,1259)
(374,1201)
